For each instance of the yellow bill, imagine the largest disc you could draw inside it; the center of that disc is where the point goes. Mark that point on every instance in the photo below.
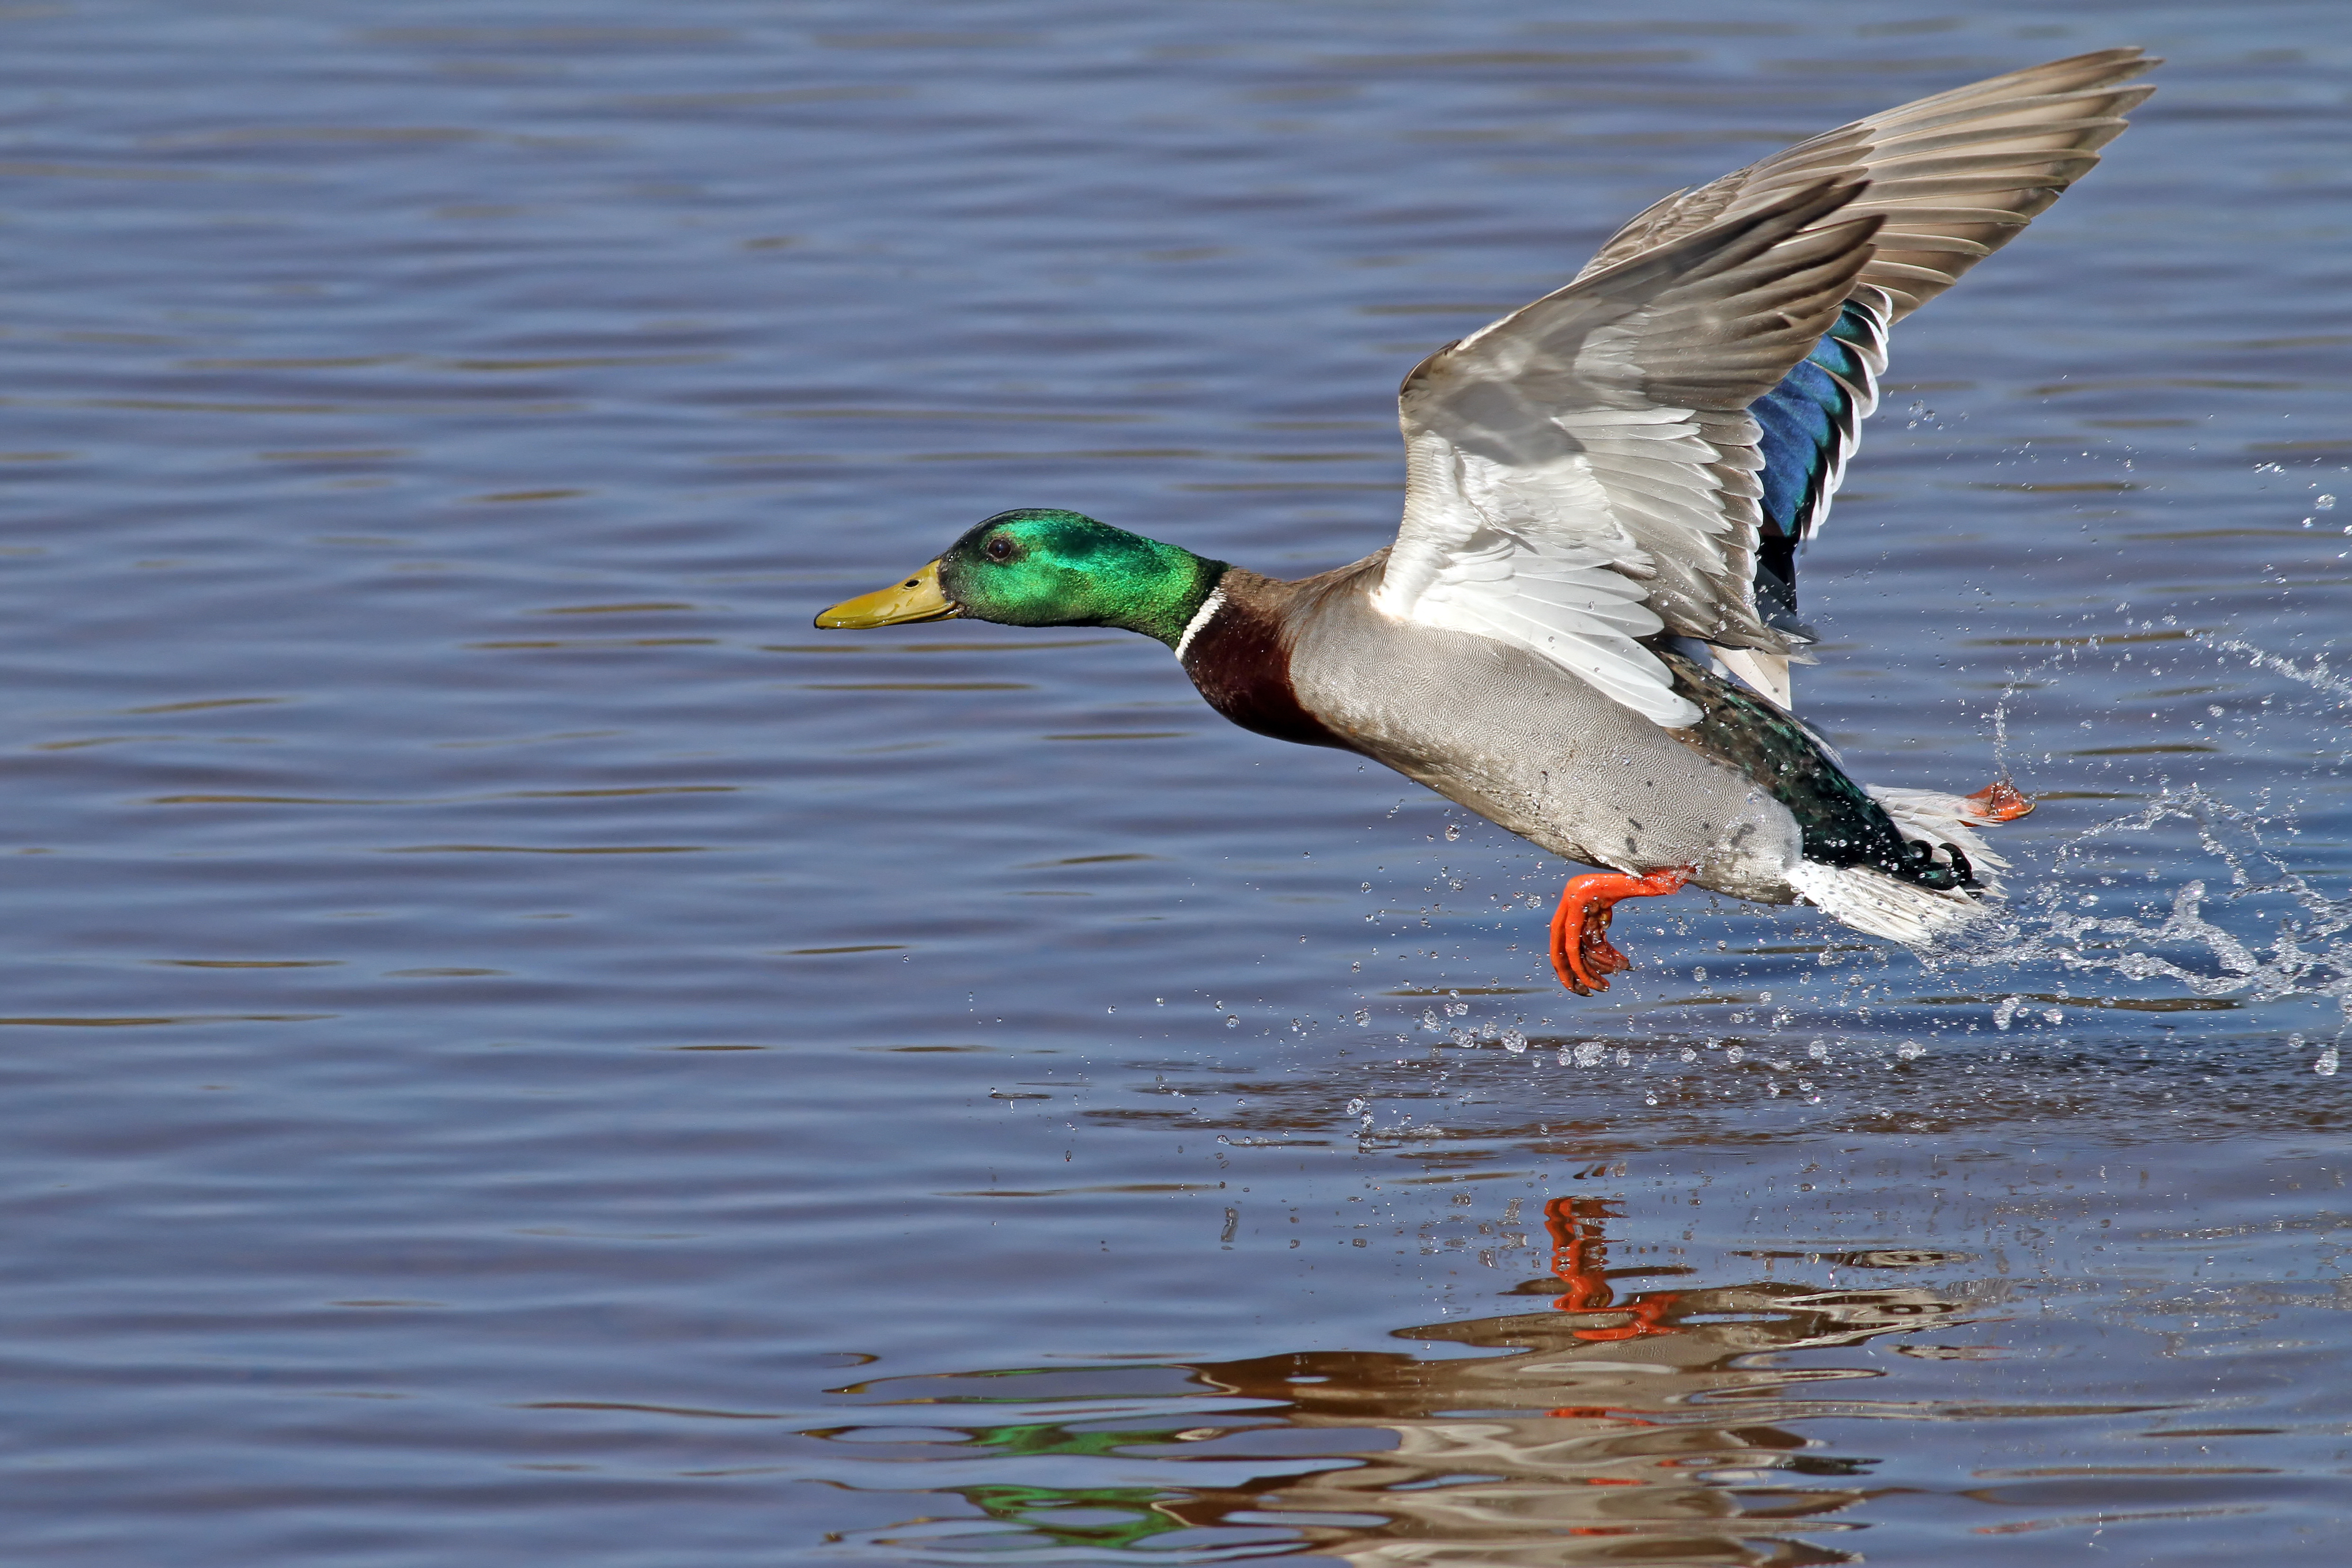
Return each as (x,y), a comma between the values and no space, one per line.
(916,599)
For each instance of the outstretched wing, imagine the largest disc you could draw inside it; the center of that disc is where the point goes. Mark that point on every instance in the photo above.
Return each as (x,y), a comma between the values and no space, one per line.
(1956,176)
(1601,466)
(1584,472)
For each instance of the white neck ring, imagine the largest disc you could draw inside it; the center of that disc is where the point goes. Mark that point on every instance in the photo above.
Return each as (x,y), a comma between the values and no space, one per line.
(1201,617)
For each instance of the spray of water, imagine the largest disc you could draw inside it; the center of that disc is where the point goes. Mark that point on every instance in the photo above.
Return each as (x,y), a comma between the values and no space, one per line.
(2315,675)
(2305,953)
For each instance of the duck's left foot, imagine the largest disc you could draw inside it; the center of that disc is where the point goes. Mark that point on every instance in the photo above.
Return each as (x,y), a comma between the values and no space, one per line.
(2000,801)
(1581,954)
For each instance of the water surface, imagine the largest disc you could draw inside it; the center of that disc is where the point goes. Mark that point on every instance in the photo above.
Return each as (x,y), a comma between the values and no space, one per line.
(517,1050)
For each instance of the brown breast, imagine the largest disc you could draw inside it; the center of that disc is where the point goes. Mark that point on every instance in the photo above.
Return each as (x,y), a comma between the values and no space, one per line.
(1240,658)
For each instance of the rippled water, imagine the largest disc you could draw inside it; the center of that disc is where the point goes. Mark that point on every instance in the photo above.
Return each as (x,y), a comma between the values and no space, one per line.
(517,1051)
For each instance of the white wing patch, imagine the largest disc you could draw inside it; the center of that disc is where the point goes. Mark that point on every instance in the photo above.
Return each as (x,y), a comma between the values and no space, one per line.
(1542,554)
(1488,558)
(1582,473)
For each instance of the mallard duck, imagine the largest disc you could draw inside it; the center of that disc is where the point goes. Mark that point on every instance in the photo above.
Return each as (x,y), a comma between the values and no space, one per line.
(1584,629)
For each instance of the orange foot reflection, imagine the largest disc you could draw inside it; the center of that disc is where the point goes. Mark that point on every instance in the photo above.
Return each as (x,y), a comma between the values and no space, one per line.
(1581,954)
(1579,1256)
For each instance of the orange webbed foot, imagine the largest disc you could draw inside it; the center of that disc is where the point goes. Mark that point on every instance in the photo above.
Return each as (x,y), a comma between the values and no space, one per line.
(2000,801)
(1581,954)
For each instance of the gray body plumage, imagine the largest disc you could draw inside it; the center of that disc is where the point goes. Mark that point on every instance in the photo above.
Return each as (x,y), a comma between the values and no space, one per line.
(1530,747)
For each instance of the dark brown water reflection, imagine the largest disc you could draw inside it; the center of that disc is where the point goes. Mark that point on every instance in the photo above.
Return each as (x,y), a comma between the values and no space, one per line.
(517,1051)
(1681,1374)
(1619,1415)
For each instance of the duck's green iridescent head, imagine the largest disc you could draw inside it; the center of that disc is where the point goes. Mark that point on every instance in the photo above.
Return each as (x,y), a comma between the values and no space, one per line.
(1038,567)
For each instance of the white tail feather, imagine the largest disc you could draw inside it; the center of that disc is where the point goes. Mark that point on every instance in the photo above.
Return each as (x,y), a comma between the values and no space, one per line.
(1876,903)
(1929,816)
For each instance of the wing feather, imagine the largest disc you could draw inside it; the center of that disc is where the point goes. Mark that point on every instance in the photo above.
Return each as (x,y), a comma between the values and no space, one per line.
(1641,451)
(1596,442)
(2011,144)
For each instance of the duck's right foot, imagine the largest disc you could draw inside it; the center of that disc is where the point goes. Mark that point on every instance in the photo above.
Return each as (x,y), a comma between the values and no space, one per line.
(1581,954)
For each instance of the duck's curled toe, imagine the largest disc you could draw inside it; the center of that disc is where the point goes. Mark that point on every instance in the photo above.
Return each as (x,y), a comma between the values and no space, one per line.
(1581,954)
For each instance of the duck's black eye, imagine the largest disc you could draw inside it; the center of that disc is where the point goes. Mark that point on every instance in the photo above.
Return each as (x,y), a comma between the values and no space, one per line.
(999,548)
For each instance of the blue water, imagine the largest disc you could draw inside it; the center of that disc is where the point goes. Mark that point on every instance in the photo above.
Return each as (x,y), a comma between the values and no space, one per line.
(516,1050)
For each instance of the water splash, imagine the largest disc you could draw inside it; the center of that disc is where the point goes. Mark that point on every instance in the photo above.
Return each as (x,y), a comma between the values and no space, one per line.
(2306,953)
(2316,674)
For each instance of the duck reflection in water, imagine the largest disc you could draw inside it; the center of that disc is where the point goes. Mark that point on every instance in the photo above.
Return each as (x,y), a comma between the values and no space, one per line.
(1644,1426)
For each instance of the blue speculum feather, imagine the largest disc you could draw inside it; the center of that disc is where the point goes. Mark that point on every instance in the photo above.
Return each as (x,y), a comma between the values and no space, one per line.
(1800,419)
(1808,425)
